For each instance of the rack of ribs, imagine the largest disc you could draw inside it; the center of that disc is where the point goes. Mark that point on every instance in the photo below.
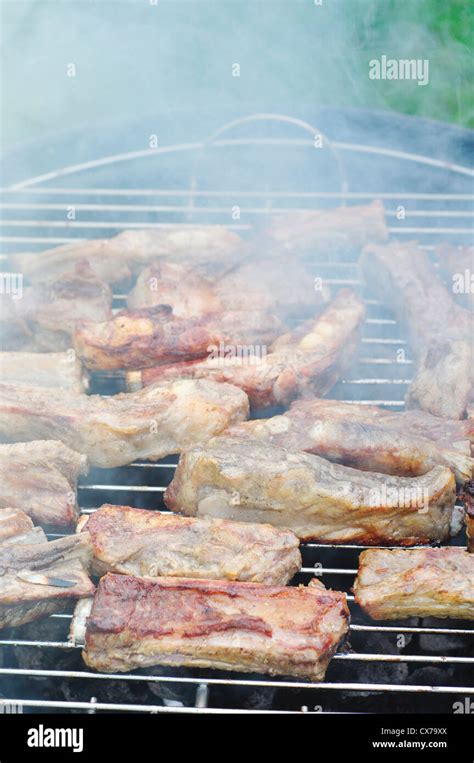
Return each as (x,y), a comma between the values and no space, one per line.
(114,431)
(354,435)
(427,582)
(308,360)
(248,627)
(43,369)
(251,481)
(143,338)
(115,259)
(152,544)
(41,477)
(441,331)
(39,579)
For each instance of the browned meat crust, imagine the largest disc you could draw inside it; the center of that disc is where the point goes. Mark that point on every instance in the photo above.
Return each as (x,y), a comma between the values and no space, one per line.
(115,259)
(148,543)
(341,433)
(441,332)
(247,627)
(43,369)
(252,481)
(428,582)
(41,477)
(468,497)
(13,523)
(44,318)
(116,430)
(142,338)
(310,359)
(42,578)
(324,231)
(256,281)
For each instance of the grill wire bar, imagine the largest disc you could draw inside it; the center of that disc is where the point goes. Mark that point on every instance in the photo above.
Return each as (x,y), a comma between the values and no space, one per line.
(430,659)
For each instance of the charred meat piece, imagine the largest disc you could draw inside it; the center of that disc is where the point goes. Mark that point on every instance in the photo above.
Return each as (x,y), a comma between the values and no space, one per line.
(137,622)
(38,579)
(115,259)
(113,431)
(148,543)
(41,477)
(44,318)
(43,369)
(428,582)
(441,332)
(251,481)
(307,360)
(328,232)
(457,266)
(266,282)
(143,338)
(468,497)
(331,429)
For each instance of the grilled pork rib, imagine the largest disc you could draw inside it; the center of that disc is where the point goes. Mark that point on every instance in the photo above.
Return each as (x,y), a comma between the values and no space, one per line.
(43,369)
(41,477)
(342,433)
(250,481)
(44,318)
(16,526)
(311,358)
(247,627)
(115,259)
(468,497)
(266,282)
(148,543)
(441,332)
(116,430)
(142,338)
(42,578)
(324,231)
(428,582)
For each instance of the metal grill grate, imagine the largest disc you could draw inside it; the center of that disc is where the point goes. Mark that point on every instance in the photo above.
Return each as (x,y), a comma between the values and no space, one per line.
(414,666)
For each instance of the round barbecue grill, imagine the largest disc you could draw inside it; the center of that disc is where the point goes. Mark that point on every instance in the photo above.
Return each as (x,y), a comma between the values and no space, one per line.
(154,171)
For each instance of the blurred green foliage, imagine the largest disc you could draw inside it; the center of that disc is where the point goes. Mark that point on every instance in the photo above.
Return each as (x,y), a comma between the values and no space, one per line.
(133,56)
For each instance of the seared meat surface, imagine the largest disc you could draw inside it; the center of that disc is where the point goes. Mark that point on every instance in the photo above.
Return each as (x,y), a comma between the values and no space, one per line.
(142,338)
(41,477)
(251,481)
(149,543)
(16,526)
(256,281)
(38,579)
(43,320)
(341,433)
(468,497)
(115,259)
(43,369)
(441,332)
(114,431)
(427,582)
(248,627)
(328,232)
(307,360)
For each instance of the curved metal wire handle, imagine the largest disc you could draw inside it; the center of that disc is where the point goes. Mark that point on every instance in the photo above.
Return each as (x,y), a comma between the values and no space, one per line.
(215,140)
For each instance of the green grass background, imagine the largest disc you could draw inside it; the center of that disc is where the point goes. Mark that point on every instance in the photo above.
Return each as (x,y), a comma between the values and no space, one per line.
(133,57)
